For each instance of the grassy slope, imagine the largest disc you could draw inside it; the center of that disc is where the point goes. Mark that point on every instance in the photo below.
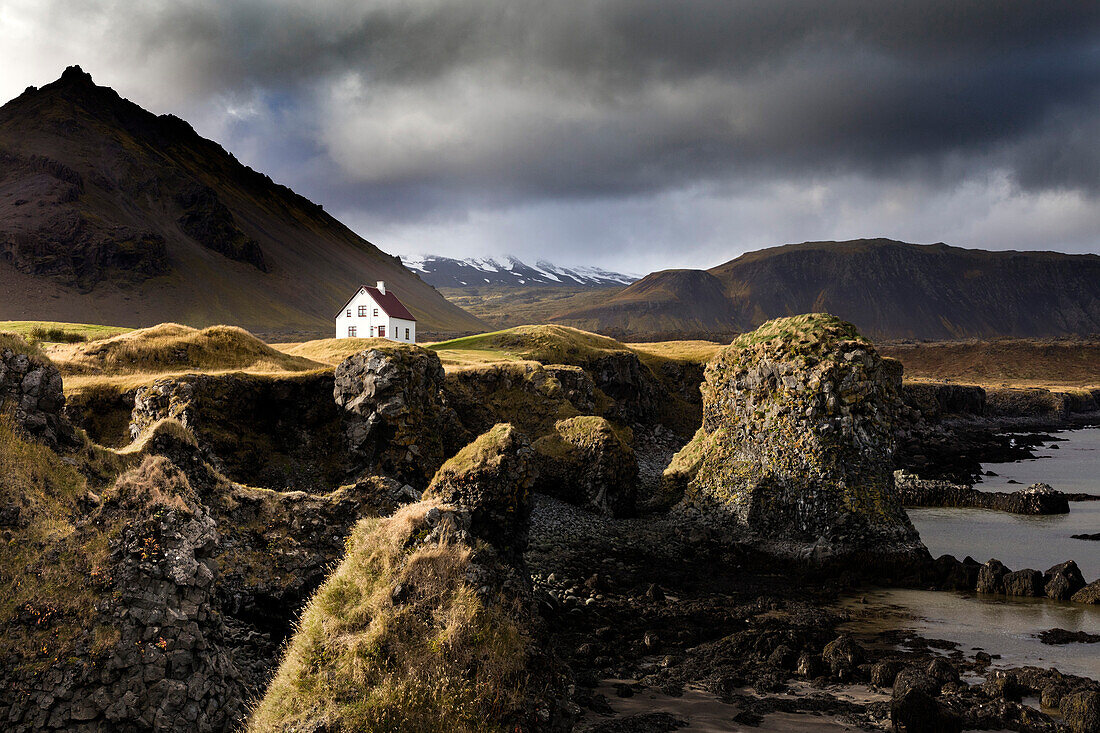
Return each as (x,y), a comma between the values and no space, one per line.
(1002,362)
(90,331)
(140,356)
(505,307)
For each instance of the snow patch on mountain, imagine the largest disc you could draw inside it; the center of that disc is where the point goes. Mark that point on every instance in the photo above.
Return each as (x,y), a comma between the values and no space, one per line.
(450,272)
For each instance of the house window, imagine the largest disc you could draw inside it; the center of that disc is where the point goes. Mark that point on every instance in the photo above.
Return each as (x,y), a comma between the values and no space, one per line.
(351,332)
(381,332)
(375,312)
(406,334)
(349,312)
(362,311)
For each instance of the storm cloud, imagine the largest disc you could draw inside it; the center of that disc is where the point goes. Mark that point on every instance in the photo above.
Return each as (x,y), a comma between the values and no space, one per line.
(627,133)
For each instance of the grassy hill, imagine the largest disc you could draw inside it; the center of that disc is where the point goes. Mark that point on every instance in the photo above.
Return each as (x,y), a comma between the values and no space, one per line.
(111,214)
(888,289)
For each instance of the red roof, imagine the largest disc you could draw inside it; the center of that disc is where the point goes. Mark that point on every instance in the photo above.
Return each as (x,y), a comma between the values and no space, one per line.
(393,307)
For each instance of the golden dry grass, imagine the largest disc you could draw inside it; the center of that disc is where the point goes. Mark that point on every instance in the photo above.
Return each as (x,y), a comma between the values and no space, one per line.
(330,351)
(1050,363)
(440,661)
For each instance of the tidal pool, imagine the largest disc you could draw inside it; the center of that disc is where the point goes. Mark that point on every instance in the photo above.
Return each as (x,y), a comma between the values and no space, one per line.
(995,624)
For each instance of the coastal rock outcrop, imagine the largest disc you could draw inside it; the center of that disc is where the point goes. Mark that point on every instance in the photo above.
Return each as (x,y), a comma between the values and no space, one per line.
(1062,581)
(491,477)
(278,432)
(797,443)
(154,654)
(587,463)
(1037,499)
(396,421)
(31,389)
(433,609)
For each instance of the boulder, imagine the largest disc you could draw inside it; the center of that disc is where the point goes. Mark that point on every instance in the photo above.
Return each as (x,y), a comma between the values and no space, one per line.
(1027,583)
(942,672)
(396,420)
(917,711)
(1081,711)
(797,444)
(587,463)
(1062,581)
(915,678)
(1089,594)
(884,673)
(491,478)
(991,577)
(951,574)
(843,656)
(31,389)
(1039,499)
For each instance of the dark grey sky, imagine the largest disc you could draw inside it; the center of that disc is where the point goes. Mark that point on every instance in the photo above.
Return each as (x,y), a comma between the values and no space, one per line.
(633,134)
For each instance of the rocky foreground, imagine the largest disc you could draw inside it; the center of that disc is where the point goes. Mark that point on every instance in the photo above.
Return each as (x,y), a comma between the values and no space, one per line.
(518,547)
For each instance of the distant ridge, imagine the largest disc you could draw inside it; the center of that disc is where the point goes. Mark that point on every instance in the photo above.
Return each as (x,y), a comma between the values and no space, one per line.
(888,289)
(446,272)
(111,214)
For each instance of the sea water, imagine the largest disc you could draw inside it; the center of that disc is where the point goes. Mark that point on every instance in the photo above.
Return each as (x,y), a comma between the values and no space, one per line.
(1024,541)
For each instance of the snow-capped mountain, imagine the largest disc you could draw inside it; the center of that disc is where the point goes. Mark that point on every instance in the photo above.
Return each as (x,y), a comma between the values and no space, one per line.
(445,272)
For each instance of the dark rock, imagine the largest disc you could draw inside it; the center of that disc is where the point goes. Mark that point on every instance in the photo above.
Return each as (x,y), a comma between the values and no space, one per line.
(1089,594)
(842,656)
(1038,499)
(942,671)
(1093,537)
(1064,636)
(884,673)
(1051,695)
(991,577)
(1004,685)
(491,478)
(915,678)
(1028,583)
(1081,711)
(916,711)
(396,421)
(654,593)
(31,388)
(808,665)
(1062,581)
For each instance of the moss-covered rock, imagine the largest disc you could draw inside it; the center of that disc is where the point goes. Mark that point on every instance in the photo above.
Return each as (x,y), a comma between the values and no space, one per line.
(491,478)
(524,393)
(797,442)
(418,629)
(396,419)
(587,463)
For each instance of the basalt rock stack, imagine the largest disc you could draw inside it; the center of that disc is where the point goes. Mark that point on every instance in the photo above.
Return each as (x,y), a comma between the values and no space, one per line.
(796,447)
(396,422)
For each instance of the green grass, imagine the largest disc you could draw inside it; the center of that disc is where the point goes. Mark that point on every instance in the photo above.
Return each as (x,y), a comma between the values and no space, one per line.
(60,332)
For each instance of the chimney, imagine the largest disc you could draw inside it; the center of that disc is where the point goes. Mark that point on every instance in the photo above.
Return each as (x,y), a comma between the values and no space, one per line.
(382,287)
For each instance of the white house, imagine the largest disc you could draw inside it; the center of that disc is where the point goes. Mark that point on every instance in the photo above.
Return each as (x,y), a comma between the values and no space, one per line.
(376,312)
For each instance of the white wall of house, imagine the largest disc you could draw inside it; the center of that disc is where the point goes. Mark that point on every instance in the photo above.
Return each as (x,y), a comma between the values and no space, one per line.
(364,318)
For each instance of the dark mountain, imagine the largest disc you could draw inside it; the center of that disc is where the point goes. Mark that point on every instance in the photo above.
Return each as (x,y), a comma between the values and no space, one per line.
(111,214)
(888,289)
(445,272)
